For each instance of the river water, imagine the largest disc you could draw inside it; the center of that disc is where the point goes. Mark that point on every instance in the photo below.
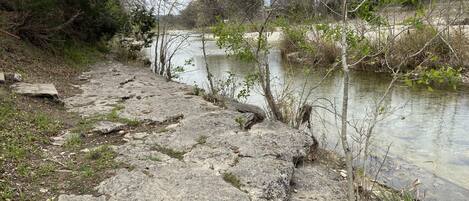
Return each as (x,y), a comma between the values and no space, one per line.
(428,131)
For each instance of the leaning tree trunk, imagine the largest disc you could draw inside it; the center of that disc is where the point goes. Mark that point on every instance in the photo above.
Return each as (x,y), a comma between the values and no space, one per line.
(269,96)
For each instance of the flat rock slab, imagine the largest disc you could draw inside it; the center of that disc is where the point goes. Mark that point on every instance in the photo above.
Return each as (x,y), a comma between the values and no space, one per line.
(106,127)
(203,156)
(81,198)
(36,90)
(316,182)
(61,139)
(2,77)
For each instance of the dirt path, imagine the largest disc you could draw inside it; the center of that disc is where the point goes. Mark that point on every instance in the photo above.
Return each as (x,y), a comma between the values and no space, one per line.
(202,154)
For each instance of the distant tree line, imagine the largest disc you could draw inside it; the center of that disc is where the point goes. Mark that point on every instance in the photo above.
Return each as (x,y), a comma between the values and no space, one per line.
(207,12)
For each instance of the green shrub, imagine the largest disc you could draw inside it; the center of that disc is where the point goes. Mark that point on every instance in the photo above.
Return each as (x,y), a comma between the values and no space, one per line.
(45,21)
(441,77)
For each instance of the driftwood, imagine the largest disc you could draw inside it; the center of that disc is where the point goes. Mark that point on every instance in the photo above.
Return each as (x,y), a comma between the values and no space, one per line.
(252,114)
(246,108)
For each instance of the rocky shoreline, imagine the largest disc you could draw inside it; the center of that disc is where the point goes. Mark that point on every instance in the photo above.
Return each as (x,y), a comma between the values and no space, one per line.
(202,154)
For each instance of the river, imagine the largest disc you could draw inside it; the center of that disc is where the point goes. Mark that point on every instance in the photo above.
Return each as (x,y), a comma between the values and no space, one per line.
(428,131)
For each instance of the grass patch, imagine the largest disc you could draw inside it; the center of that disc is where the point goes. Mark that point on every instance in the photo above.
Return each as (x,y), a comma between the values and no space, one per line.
(23,133)
(114,116)
(162,130)
(202,139)
(101,158)
(232,179)
(170,152)
(81,54)
(86,124)
(154,158)
(74,141)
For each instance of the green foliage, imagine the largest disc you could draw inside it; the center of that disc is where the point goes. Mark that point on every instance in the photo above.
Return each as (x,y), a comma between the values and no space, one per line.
(22,134)
(102,157)
(444,76)
(58,20)
(396,196)
(208,12)
(411,3)
(170,152)
(368,11)
(20,131)
(248,83)
(143,22)
(231,37)
(231,87)
(202,139)
(417,20)
(297,37)
(80,54)
(240,120)
(358,45)
(232,179)
(73,141)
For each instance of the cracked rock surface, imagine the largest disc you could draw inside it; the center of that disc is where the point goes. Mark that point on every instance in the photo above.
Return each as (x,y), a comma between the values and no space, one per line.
(190,160)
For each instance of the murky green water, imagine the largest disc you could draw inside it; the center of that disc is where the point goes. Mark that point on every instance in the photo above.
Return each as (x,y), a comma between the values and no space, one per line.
(429,131)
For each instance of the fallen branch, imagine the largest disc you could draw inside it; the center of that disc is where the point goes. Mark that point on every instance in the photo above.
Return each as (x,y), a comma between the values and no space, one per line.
(10,34)
(60,27)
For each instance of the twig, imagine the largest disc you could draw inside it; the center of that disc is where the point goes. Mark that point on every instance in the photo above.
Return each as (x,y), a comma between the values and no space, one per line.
(10,34)
(380,167)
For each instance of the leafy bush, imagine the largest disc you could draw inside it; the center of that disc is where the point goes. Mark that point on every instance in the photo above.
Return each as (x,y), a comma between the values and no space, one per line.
(143,22)
(45,21)
(444,76)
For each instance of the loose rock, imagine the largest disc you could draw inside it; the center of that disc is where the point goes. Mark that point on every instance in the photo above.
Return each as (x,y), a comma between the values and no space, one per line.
(60,140)
(2,78)
(16,77)
(106,127)
(36,90)
(81,198)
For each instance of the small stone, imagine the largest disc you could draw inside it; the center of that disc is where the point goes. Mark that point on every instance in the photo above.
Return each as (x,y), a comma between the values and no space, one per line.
(139,136)
(106,127)
(60,140)
(343,173)
(127,136)
(172,126)
(121,132)
(83,77)
(17,77)
(2,78)
(43,190)
(85,150)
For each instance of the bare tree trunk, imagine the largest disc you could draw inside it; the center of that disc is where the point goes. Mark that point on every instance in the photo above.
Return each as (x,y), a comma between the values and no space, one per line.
(345,97)
(162,52)
(158,32)
(264,69)
(209,74)
(268,94)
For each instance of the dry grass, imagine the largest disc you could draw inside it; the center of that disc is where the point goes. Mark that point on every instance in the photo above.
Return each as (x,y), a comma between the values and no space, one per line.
(325,51)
